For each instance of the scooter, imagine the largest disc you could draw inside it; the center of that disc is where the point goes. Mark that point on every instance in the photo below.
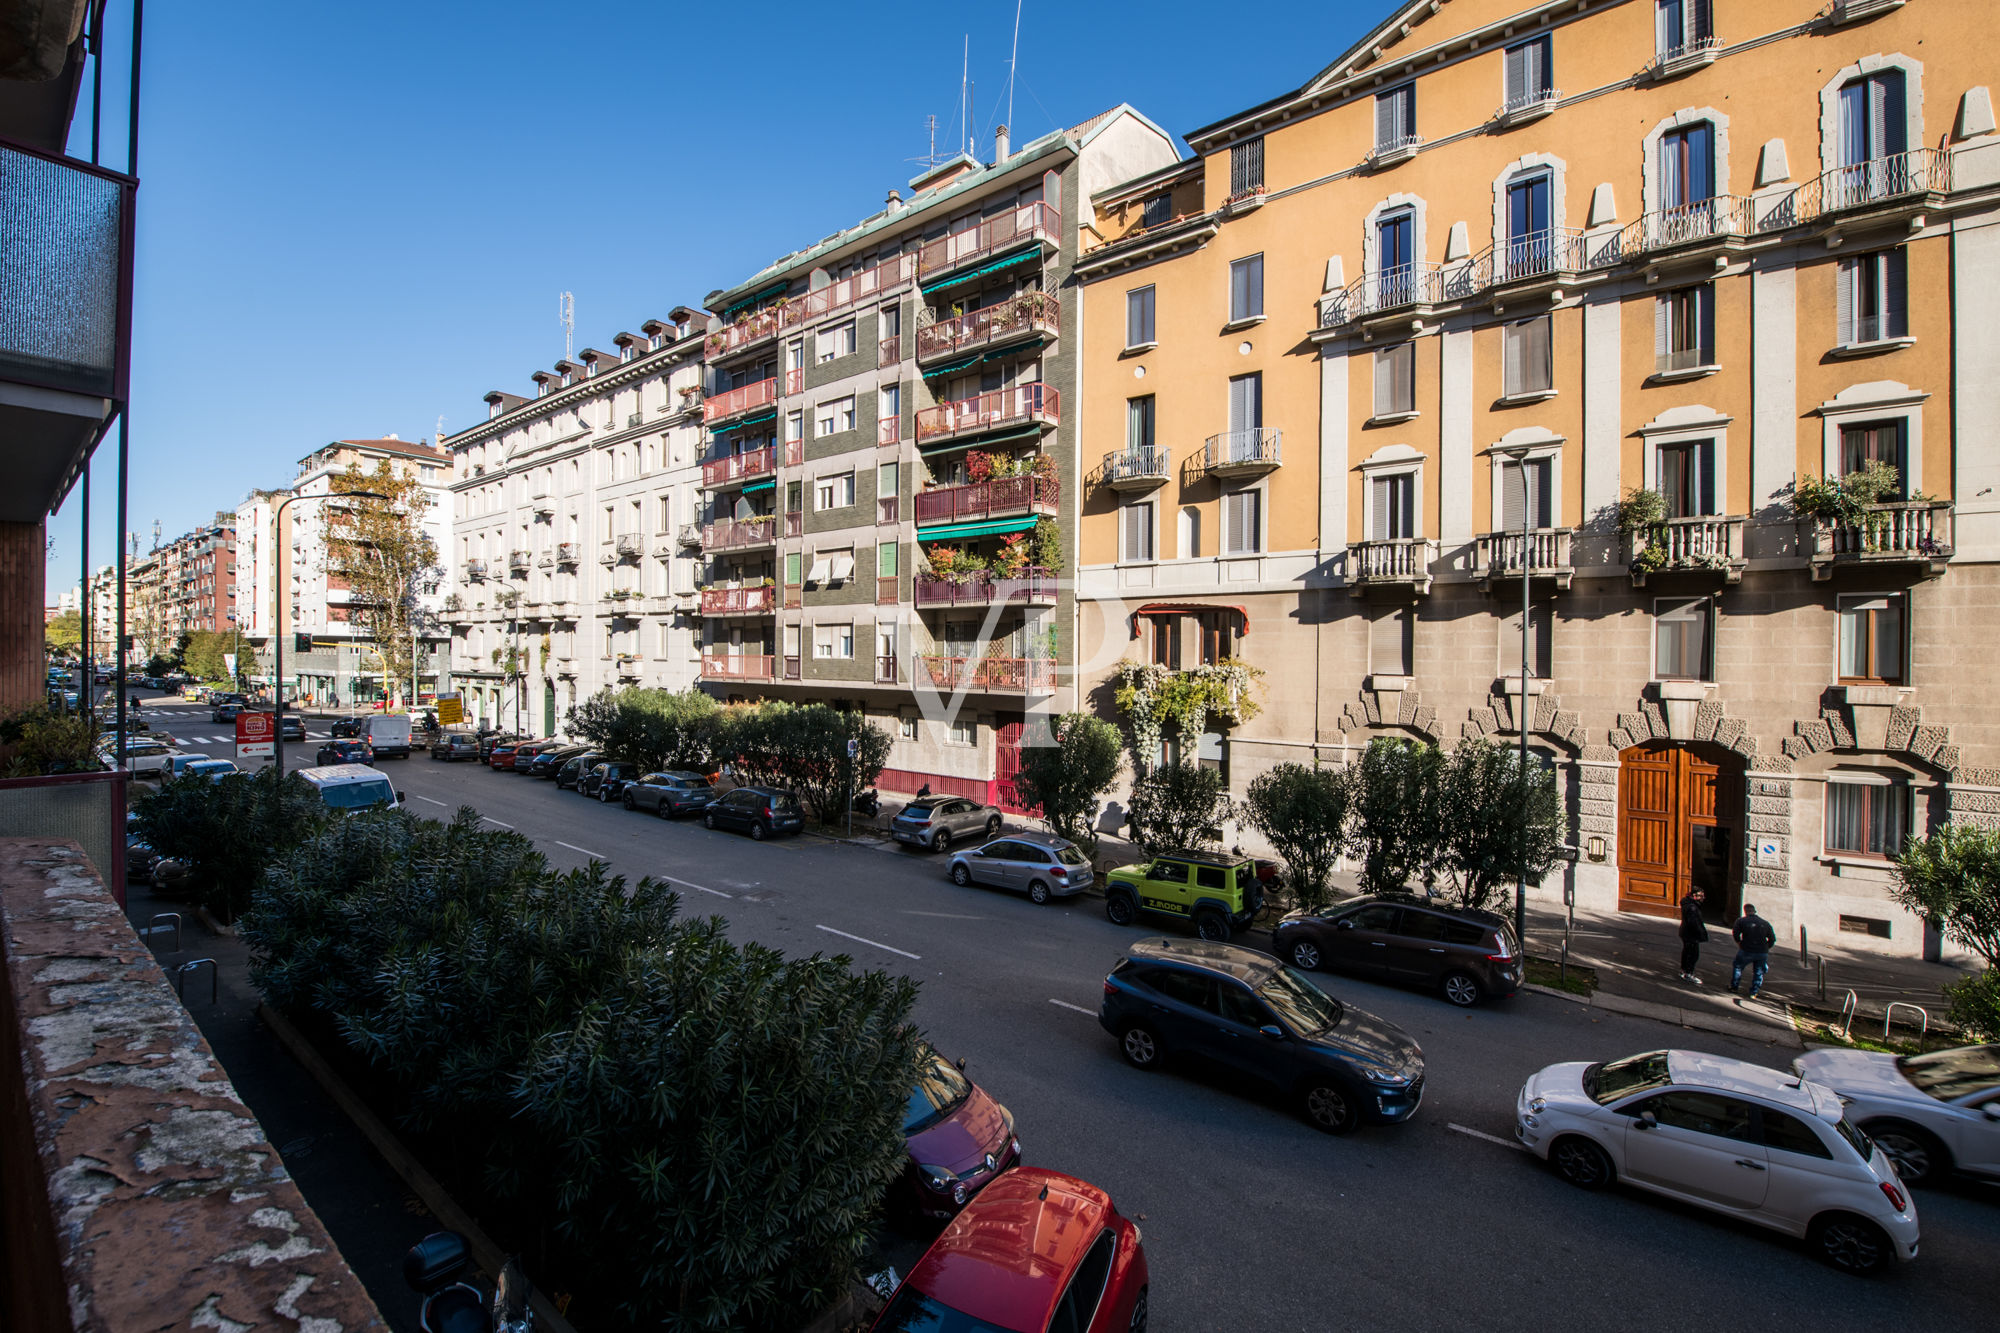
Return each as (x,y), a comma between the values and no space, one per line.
(433,1268)
(867,803)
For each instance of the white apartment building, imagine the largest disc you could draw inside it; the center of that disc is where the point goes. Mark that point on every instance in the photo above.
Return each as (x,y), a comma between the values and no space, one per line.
(574,553)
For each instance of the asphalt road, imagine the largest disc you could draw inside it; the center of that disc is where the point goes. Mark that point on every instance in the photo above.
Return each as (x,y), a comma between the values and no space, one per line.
(1253,1220)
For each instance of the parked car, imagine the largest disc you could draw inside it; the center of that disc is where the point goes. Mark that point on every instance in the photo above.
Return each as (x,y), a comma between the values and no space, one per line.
(606,780)
(139,854)
(347,750)
(352,787)
(1219,894)
(934,821)
(526,753)
(1932,1113)
(575,768)
(758,811)
(1040,865)
(450,749)
(1757,1144)
(292,727)
(1037,1251)
(960,1139)
(1248,1014)
(668,794)
(549,757)
(388,734)
(346,727)
(224,712)
(1466,954)
(501,757)
(215,770)
(143,757)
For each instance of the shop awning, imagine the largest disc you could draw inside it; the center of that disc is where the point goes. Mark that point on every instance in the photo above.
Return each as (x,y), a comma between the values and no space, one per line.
(1190,609)
(983,528)
(774,289)
(979,441)
(1024,256)
(757,420)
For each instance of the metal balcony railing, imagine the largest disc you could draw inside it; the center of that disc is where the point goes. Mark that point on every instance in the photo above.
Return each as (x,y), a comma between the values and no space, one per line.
(739,467)
(990,411)
(737,666)
(1395,149)
(568,553)
(518,561)
(1000,497)
(1017,317)
(847,292)
(1136,467)
(65,273)
(891,350)
(1879,181)
(739,533)
(1688,55)
(1716,218)
(1037,222)
(475,570)
(631,544)
(795,381)
(1011,675)
(689,534)
(738,601)
(744,398)
(742,334)
(1033,586)
(1252,449)
(1541,254)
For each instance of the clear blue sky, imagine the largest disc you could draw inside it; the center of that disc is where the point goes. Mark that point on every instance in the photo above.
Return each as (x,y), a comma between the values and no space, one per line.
(355,215)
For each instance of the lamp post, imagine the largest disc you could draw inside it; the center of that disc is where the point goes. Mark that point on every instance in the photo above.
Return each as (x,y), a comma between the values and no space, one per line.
(1518,455)
(278,616)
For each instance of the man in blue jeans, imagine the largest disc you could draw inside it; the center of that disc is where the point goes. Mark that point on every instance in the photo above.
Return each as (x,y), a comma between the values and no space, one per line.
(1754,938)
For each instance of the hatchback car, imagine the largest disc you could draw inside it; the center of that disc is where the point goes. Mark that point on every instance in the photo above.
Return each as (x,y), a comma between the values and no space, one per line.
(1217,894)
(1468,955)
(606,780)
(291,727)
(550,759)
(527,752)
(1036,1251)
(1757,1144)
(347,750)
(455,747)
(960,1139)
(1040,865)
(668,794)
(1931,1113)
(936,821)
(758,811)
(575,768)
(501,757)
(224,712)
(1248,1014)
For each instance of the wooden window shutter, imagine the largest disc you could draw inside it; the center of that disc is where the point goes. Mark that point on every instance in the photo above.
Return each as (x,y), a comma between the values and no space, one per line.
(1704,22)
(1385,382)
(1385,117)
(1895,294)
(1510,497)
(1705,299)
(1402,377)
(1663,328)
(1850,274)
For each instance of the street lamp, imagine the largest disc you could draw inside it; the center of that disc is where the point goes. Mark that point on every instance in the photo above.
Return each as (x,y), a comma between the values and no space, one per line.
(1518,456)
(278,615)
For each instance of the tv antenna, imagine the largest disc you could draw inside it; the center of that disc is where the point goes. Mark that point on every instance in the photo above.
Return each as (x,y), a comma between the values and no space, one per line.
(566,316)
(929,159)
(1013,60)
(156,534)
(965,98)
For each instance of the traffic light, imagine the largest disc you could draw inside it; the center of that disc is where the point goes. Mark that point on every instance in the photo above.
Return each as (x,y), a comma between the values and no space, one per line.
(302,643)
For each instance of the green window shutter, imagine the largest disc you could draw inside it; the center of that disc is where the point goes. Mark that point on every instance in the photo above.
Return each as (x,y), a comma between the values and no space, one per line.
(885,560)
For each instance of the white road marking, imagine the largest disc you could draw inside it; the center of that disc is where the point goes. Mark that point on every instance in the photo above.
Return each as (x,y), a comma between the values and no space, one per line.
(597,856)
(669,879)
(1065,1004)
(943,916)
(1490,1138)
(873,944)
(432,801)
(490,819)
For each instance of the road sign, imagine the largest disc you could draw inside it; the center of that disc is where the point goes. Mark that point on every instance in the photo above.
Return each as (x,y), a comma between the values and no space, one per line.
(450,710)
(853,749)
(254,735)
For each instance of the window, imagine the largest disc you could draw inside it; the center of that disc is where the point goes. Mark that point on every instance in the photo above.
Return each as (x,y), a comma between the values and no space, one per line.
(889,322)
(1529,241)
(1788,1133)
(1875,442)
(1392,507)
(1243,523)
(1528,73)
(1246,167)
(1246,414)
(906,727)
(1156,210)
(1539,506)
(1395,380)
(1872,628)
(1866,816)
(1139,317)
(1685,471)
(1139,422)
(833,641)
(1873,126)
(795,427)
(794,567)
(889,403)
(1541,641)
(1682,630)
(1700,1112)
(1687,176)
(1684,329)
(836,416)
(888,486)
(1246,289)
(1525,356)
(1873,300)
(1188,534)
(962,731)
(1139,530)
(1167,641)
(1679,25)
(1396,118)
(1391,639)
(666,513)
(836,342)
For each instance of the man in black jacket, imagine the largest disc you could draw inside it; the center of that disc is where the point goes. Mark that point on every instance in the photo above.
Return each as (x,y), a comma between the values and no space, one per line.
(1694,931)
(1754,938)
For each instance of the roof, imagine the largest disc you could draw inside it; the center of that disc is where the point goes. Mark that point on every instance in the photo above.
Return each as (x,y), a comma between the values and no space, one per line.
(408,448)
(1007,1256)
(1727,1075)
(1246,965)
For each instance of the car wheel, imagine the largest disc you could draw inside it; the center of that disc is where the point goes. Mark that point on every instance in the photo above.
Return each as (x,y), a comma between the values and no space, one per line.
(1038,894)
(604,795)
(1138,1320)
(941,840)
(708,821)
(1851,1244)
(758,832)
(1305,956)
(630,804)
(1917,1154)
(1141,1047)
(1461,989)
(665,809)
(993,827)
(1580,1162)
(960,875)
(1332,1109)
(1118,909)
(1212,926)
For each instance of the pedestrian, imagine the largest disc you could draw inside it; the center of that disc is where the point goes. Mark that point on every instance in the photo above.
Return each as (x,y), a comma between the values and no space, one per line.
(1754,938)
(1694,932)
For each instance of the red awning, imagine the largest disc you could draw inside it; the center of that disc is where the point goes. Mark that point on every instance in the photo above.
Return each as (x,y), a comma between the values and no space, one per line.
(1190,608)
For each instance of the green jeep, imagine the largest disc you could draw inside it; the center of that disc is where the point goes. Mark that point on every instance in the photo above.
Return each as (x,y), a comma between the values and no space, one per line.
(1220,894)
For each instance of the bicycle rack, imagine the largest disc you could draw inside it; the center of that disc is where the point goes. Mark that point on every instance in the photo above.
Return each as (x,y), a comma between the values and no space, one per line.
(1924,1025)
(180,978)
(154,924)
(1847,1009)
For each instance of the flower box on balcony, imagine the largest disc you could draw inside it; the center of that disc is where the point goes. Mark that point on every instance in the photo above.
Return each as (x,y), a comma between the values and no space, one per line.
(1904,532)
(1710,544)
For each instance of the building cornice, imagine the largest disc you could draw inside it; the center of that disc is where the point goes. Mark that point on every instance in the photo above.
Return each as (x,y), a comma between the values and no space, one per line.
(563,399)
(1119,254)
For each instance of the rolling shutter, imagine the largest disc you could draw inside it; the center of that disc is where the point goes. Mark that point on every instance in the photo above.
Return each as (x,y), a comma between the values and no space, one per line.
(1895,294)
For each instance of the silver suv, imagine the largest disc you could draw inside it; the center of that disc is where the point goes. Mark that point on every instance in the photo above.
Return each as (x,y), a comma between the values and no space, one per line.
(936,821)
(1039,864)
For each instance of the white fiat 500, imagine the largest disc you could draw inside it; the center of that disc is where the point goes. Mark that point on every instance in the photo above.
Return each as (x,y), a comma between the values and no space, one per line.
(1931,1113)
(1759,1144)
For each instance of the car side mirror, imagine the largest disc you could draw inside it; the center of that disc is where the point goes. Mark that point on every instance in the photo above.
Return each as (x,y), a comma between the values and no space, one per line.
(1272,1030)
(1647,1120)
(399,798)
(960,1062)
(1343,924)
(1991,1110)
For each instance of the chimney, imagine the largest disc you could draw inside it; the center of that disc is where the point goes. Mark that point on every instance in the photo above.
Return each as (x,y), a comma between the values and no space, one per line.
(999,145)
(894,203)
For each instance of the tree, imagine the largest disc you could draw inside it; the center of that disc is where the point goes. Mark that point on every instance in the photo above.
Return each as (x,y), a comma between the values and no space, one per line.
(1306,812)
(381,550)
(1952,880)
(64,634)
(203,659)
(804,749)
(40,742)
(228,833)
(1179,808)
(1071,762)
(178,657)
(1396,806)
(1496,822)
(655,729)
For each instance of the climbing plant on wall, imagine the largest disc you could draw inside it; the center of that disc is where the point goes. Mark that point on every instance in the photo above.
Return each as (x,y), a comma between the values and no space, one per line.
(1154,697)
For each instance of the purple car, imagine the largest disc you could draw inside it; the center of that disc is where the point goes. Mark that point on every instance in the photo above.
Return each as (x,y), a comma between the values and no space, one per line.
(959,1138)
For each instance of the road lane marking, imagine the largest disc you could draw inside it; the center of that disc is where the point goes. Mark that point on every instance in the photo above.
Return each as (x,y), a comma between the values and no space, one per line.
(595,856)
(490,819)
(669,879)
(943,916)
(430,799)
(1490,1138)
(873,944)
(1065,1004)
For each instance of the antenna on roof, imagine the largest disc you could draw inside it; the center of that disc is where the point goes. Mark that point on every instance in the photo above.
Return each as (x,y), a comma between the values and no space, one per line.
(964,96)
(566,316)
(1013,60)
(440,431)
(930,158)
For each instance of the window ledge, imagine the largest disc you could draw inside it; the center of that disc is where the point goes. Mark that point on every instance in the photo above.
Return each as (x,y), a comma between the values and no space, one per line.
(1847,859)
(1683,373)
(1871,348)
(1235,324)
(1532,396)
(1136,348)
(1392,418)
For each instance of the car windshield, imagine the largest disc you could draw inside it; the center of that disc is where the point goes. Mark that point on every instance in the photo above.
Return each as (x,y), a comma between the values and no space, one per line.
(355,795)
(1607,1082)
(1298,1001)
(1070,856)
(913,1312)
(1949,1075)
(783,803)
(939,1089)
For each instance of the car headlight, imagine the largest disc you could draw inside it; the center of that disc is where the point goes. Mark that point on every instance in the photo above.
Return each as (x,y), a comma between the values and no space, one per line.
(1006,1118)
(1385,1080)
(938,1178)
(1539,1104)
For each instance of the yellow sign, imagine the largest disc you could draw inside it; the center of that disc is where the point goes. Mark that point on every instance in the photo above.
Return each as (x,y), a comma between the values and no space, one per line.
(451,710)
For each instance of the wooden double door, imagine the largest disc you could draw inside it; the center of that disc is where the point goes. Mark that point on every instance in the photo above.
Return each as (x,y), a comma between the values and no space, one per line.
(1680,827)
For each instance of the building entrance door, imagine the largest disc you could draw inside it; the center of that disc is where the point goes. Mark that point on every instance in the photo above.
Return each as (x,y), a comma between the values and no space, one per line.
(1680,827)
(548,708)
(1007,766)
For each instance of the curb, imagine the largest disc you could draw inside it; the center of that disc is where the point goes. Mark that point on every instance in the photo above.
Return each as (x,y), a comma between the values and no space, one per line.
(1684,1018)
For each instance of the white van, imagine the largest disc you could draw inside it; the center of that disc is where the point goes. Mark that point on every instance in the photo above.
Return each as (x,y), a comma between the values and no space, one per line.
(352,787)
(388,734)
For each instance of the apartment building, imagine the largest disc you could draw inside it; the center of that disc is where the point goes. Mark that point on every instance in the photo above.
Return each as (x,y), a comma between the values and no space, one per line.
(890,493)
(574,549)
(1602,294)
(197,572)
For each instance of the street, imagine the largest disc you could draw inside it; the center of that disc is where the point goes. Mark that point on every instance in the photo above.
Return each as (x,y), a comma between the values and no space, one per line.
(1252,1220)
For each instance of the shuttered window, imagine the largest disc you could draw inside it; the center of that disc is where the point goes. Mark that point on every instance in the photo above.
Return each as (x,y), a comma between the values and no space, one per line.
(1873,118)
(1392,507)
(1158,209)
(1243,522)
(1139,317)
(1685,470)
(1540,510)
(1246,402)
(1525,356)
(1246,289)
(1246,167)
(1139,530)
(1873,301)
(1395,117)
(1684,329)
(1681,23)
(1395,379)
(1390,640)
(1528,72)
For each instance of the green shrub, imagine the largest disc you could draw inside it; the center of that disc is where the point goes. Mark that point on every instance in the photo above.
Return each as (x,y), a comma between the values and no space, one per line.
(1974,1004)
(1305,812)
(229,833)
(1065,768)
(1179,808)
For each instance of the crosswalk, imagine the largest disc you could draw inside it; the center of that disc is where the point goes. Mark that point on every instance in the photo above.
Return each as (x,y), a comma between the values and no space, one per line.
(230,739)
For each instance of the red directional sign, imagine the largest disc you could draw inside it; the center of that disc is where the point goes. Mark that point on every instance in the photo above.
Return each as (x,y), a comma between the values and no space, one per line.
(255,733)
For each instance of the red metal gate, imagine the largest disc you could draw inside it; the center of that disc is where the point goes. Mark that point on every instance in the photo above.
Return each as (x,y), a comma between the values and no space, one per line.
(1006,767)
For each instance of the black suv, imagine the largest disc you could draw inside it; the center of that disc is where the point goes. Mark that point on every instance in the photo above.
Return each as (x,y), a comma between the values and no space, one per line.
(758,811)
(549,760)
(1246,1014)
(1467,954)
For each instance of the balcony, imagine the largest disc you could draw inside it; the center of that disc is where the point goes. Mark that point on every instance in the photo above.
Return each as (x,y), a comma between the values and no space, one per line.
(1001,497)
(886,672)
(1683,59)
(1854,11)
(741,400)
(737,666)
(1523,107)
(1499,555)
(1415,287)
(689,534)
(752,329)
(1554,253)
(1398,562)
(1034,586)
(890,352)
(734,468)
(1140,468)
(1029,315)
(1027,404)
(631,545)
(889,432)
(568,553)
(1391,151)
(738,601)
(1250,452)
(1902,179)
(1037,224)
(475,570)
(1725,217)
(995,675)
(740,534)
(835,297)
(1711,544)
(1907,532)
(518,561)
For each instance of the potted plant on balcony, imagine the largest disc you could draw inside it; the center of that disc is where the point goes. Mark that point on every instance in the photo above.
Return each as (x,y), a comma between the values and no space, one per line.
(1011,560)
(1640,515)
(1848,501)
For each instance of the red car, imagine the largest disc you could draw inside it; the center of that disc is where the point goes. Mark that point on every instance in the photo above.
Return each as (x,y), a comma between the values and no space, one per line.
(1032,1252)
(502,756)
(960,1139)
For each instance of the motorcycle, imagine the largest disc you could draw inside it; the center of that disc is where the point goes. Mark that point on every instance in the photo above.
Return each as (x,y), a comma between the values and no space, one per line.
(434,1267)
(867,803)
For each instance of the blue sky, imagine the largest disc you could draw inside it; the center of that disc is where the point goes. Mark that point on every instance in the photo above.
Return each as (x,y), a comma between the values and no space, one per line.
(356,217)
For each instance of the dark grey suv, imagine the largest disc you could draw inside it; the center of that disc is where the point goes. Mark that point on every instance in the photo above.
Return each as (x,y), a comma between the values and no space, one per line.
(938,821)
(669,794)
(1252,1017)
(1467,955)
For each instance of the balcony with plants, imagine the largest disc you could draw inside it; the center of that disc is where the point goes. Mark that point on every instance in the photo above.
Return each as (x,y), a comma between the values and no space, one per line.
(1861,519)
(1030,229)
(1020,318)
(1017,569)
(1000,486)
(1692,544)
(1023,405)
(740,534)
